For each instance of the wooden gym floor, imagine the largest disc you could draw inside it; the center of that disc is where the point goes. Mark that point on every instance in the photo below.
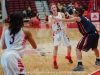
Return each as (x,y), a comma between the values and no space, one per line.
(36,64)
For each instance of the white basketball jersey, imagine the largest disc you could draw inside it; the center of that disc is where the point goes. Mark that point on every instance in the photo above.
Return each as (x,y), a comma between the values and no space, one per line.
(15,42)
(58,25)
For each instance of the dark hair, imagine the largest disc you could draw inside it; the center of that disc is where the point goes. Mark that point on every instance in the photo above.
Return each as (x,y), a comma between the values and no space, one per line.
(80,11)
(16,22)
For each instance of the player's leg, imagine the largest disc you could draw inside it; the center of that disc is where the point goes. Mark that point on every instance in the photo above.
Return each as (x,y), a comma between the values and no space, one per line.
(3,63)
(55,57)
(87,42)
(95,49)
(79,57)
(56,43)
(68,56)
(79,53)
(10,63)
(66,43)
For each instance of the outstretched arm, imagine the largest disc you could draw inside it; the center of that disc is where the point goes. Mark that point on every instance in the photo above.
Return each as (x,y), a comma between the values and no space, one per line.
(30,39)
(74,19)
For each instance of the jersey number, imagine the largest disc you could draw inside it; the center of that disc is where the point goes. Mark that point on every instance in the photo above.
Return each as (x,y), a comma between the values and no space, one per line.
(12,38)
(59,28)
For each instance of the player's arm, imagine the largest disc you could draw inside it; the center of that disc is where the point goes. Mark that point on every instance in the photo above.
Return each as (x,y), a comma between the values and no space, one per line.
(74,19)
(3,45)
(50,20)
(71,16)
(63,17)
(30,38)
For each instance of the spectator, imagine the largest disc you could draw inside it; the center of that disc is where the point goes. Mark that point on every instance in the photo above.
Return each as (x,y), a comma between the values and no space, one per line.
(6,20)
(29,12)
(24,13)
(46,18)
(99,6)
(70,8)
(81,6)
(64,8)
(71,5)
(59,6)
(37,16)
(76,5)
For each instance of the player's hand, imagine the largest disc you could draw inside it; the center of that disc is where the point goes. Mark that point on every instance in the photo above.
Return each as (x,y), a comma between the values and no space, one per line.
(67,14)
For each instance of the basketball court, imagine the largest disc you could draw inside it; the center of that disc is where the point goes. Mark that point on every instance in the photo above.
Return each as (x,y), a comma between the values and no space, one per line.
(39,62)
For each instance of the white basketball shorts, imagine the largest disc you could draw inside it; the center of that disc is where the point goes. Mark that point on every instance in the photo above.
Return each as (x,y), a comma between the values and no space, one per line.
(61,35)
(12,63)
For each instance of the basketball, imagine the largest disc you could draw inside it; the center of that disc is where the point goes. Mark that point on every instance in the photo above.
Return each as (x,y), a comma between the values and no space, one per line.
(34,22)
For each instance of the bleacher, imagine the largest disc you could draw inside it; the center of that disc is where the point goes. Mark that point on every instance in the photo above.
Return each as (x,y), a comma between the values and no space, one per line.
(98,3)
(15,5)
(83,3)
(18,5)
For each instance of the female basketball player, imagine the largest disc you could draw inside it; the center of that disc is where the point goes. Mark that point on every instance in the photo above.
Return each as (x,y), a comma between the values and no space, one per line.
(15,41)
(59,34)
(90,36)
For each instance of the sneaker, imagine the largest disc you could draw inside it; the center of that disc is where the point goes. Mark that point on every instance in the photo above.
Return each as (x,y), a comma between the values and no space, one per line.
(69,59)
(97,63)
(55,65)
(79,68)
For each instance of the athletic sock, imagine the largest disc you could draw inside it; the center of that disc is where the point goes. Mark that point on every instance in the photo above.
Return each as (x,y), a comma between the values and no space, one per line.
(97,59)
(80,62)
(54,58)
(69,54)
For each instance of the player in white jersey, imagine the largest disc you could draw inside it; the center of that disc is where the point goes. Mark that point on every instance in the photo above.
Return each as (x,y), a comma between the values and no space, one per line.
(59,34)
(14,42)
